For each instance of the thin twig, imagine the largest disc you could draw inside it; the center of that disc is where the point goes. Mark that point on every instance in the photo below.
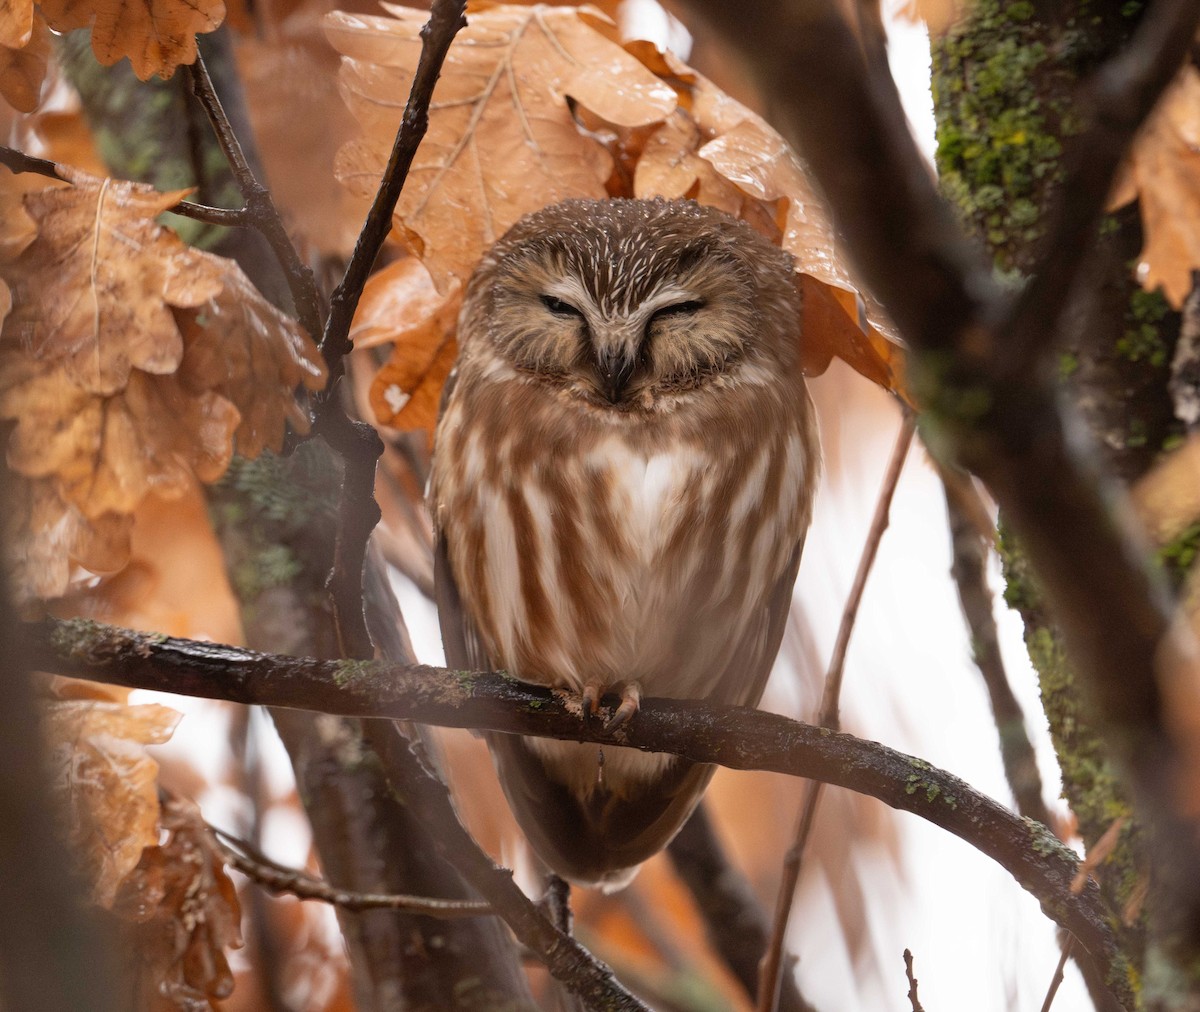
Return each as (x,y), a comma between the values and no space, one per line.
(229,217)
(912,983)
(771,971)
(279,879)
(357,443)
(734,920)
(260,209)
(969,570)
(20,162)
(445,19)
(1057,979)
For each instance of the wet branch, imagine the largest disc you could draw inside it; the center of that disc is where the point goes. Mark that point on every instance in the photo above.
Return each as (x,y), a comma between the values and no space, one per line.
(730,736)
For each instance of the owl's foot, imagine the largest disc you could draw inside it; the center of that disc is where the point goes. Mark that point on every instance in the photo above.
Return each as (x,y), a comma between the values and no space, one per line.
(631,699)
(591,699)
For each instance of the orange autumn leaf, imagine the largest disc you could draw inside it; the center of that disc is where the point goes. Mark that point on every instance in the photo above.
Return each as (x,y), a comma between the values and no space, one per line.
(23,68)
(240,347)
(183,915)
(493,161)
(16,23)
(157,35)
(179,358)
(502,138)
(401,307)
(45,536)
(95,287)
(109,782)
(1163,174)
(407,391)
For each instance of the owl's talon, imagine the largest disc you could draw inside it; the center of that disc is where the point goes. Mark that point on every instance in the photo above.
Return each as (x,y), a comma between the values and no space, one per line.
(631,699)
(591,700)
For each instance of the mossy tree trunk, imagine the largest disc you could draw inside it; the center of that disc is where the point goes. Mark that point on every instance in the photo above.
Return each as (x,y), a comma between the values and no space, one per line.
(1005,83)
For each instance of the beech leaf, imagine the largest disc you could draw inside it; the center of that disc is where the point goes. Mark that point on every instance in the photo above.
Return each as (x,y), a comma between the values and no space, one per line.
(16,22)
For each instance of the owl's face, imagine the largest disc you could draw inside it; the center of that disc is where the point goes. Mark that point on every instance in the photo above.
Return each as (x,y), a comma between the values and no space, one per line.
(625,302)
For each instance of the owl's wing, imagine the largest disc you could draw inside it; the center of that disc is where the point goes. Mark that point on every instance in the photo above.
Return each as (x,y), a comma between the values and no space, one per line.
(460,639)
(602,838)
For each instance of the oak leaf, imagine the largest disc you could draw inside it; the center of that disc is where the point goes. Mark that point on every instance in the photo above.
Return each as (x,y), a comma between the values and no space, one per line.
(240,347)
(16,22)
(23,68)
(400,306)
(109,782)
(159,410)
(157,35)
(45,536)
(95,287)
(1163,174)
(502,139)
(183,913)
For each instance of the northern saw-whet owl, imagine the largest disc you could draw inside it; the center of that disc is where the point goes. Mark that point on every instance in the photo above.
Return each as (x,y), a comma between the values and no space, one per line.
(623,476)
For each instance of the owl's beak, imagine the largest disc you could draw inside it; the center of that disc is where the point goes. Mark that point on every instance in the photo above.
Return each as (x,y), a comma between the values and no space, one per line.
(614,367)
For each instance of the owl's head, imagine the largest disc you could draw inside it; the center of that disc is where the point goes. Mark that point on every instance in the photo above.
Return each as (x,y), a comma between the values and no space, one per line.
(622,302)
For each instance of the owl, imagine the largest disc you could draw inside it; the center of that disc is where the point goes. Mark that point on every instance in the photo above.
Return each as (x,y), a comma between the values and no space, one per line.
(623,476)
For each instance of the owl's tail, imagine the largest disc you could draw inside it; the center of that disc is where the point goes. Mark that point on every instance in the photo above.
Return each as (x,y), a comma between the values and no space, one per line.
(596,836)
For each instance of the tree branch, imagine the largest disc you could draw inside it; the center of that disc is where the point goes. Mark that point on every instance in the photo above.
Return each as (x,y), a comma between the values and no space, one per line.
(260,210)
(730,736)
(278,879)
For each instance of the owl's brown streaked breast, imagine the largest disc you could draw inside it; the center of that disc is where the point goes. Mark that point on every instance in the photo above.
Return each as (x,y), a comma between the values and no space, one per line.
(599,550)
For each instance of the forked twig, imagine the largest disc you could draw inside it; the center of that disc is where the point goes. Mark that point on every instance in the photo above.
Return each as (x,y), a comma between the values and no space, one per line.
(912,983)
(281,880)
(771,970)
(1057,979)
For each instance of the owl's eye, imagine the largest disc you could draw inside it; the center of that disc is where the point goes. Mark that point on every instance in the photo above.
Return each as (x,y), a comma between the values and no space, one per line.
(678,309)
(560,308)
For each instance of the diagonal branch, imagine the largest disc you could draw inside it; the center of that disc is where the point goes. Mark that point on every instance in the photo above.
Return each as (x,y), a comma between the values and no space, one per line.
(730,736)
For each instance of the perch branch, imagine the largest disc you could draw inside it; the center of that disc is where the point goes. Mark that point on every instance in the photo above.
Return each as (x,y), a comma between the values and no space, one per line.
(281,880)
(729,736)
(771,973)
(961,326)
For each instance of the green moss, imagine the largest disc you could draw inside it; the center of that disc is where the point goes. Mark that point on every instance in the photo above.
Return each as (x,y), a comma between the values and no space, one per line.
(1179,554)
(1068,364)
(1142,340)
(261,570)
(348,673)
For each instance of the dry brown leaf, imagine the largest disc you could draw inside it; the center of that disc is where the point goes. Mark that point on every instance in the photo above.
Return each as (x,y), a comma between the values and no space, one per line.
(17,228)
(65,136)
(95,286)
(240,347)
(16,22)
(108,453)
(156,35)
(400,306)
(515,127)
(184,913)
(502,140)
(45,537)
(22,69)
(1164,174)
(1167,498)
(109,783)
(292,69)
(939,16)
